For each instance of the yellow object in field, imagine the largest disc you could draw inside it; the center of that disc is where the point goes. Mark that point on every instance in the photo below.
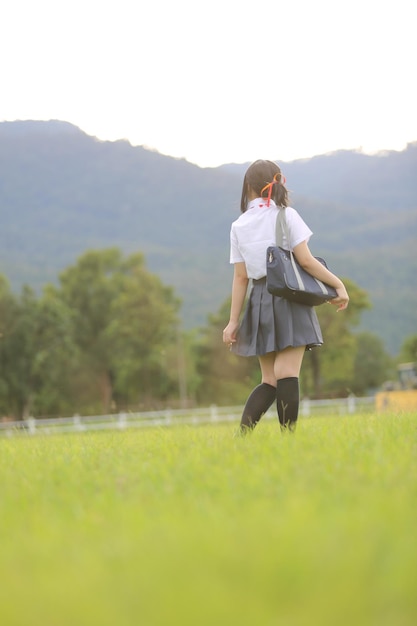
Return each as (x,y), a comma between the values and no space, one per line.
(400,395)
(396,400)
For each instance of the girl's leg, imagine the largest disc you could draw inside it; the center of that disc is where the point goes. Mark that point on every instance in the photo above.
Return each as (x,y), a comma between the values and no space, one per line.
(287,370)
(262,396)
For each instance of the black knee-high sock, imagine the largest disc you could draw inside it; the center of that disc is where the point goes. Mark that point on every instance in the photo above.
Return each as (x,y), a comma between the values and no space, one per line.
(288,400)
(256,405)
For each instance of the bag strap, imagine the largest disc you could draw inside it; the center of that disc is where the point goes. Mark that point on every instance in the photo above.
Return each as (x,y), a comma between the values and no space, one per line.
(281,228)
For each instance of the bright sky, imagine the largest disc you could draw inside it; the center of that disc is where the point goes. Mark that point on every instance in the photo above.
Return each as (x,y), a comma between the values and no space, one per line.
(217,81)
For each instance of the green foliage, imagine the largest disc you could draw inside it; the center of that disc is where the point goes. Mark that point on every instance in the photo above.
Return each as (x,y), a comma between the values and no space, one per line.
(409,350)
(108,338)
(225,377)
(372,366)
(36,353)
(190,526)
(329,370)
(143,334)
(55,356)
(125,318)
(105,339)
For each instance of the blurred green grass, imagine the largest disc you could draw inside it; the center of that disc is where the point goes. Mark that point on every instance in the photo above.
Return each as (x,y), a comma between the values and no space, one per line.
(191,526)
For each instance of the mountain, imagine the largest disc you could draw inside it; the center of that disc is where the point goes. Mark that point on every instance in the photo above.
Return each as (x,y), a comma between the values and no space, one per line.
(63,192)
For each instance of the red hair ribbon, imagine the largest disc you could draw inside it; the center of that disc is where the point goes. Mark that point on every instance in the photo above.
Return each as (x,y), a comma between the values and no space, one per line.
(270,185)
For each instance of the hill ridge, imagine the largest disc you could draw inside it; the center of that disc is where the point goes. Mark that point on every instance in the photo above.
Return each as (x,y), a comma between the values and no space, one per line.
(63,192)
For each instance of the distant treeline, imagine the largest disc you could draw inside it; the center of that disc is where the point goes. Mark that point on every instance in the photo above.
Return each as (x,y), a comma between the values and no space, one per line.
(108,337)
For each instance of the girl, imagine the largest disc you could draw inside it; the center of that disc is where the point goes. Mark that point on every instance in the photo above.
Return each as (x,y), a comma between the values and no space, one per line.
(276,330)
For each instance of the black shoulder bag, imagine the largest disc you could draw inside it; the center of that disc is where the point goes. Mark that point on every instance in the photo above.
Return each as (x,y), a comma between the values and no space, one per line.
(286,278)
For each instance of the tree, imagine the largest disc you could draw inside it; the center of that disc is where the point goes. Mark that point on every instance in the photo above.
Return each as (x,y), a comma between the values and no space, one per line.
(372,365)
(330,368)
(225,378)
(409,350)
(36,352)
(125,320)
(143,333)
(8,313)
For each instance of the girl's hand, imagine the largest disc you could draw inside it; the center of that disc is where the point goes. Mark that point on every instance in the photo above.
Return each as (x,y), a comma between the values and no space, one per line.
(342,299)
(229,333)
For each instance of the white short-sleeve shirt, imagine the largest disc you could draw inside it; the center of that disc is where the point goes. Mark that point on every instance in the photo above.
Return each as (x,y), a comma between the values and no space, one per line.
(254,231)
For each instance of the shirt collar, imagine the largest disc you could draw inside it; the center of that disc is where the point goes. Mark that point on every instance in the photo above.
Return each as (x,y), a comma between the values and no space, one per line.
(260,203)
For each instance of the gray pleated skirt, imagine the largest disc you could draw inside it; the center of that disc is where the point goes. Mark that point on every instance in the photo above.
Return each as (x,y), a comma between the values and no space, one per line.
(270,324)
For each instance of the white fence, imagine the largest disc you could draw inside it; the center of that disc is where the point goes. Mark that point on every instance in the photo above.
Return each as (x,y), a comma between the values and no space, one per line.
(158,419)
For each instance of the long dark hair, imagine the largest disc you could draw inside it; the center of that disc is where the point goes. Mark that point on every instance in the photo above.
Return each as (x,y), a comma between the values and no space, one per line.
(257,176)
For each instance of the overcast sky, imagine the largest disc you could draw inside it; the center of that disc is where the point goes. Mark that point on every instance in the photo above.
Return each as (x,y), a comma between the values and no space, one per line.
(217,81)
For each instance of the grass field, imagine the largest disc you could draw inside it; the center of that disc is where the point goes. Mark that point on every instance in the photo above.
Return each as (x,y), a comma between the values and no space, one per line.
(191,526)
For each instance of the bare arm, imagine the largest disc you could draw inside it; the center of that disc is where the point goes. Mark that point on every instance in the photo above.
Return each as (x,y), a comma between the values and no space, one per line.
(239,289)
(315,268)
